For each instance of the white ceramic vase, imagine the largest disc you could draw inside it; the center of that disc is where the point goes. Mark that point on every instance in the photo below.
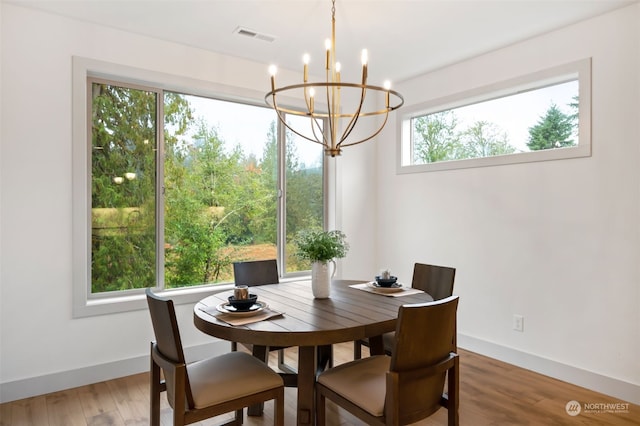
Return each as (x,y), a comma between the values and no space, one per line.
(321,279)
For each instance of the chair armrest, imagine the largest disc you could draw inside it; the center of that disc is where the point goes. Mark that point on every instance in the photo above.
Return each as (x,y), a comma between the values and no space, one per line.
(175,382)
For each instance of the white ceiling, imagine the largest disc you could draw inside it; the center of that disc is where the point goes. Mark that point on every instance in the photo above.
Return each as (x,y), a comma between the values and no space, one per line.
(404,37)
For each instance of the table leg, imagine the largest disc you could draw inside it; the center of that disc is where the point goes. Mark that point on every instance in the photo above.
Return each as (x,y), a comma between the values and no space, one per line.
(376,345)
(306,385)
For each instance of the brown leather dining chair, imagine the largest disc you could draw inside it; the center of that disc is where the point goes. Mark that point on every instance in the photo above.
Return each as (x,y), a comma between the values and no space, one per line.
(437,281)
(408,385)
(209,387)
(434,280)
(254,273)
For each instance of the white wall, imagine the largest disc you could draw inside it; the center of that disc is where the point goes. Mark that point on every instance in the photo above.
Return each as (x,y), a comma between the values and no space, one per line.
(557,241)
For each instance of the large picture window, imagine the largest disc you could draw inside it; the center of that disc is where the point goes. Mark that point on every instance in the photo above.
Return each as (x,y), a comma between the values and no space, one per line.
(180,186)
(543,116)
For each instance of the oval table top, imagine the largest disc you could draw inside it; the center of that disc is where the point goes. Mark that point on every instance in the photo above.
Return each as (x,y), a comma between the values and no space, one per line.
(348,314)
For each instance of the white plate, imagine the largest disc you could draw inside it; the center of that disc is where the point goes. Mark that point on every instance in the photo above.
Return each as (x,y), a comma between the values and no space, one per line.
(228,309)
(393,289)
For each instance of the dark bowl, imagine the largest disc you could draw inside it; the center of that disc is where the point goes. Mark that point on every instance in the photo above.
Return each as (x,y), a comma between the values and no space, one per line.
(382,282)
(243,304)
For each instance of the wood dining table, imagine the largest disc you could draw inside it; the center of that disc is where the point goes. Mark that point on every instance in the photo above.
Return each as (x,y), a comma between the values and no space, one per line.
(310,324)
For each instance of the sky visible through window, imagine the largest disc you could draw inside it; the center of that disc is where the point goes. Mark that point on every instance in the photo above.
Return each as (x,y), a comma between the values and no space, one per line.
(247,126)
(517,113)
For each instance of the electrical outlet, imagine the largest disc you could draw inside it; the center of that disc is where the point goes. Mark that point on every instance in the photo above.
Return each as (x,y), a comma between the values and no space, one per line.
(518,323)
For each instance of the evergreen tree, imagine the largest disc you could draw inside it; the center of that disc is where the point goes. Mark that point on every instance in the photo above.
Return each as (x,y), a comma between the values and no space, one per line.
(574,106)
(552,131)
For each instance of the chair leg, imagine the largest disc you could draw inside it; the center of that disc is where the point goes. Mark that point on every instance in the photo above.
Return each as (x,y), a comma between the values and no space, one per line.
(278,408)
(282,365)
(357,350)
(179,402)
(154,386)
(325,357)
(239,416)
(178,419)
(320,409)
(453,418)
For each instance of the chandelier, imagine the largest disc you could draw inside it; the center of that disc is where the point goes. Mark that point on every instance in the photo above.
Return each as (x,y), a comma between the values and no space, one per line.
(340,123)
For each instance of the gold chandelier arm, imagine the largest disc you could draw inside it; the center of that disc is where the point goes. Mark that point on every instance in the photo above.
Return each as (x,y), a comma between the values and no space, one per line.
(354,119)
(314,121)
(284,121)
(377,132)
(330,112)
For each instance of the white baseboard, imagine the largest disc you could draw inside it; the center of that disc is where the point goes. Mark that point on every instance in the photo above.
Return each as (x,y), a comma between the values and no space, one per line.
(626,391)
(40,385)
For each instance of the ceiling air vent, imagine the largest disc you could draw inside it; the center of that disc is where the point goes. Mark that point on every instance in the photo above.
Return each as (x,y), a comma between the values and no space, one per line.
(253,34)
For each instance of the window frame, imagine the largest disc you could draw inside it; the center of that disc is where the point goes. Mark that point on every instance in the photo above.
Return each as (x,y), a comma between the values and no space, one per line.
(578,70)
(85,303)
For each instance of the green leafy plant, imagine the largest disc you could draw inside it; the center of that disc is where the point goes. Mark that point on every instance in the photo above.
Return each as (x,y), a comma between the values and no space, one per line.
(321,246)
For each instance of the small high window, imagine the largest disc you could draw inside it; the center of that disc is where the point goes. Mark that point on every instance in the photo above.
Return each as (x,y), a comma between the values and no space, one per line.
(543,116)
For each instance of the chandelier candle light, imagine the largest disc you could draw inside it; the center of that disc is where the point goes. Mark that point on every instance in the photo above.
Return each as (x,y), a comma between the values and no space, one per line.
(333,140)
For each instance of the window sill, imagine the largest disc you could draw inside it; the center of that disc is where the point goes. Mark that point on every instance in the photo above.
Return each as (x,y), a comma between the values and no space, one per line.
(135,302)
(579,151)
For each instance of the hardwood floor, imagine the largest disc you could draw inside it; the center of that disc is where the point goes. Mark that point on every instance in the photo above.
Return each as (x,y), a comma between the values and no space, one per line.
(491,393)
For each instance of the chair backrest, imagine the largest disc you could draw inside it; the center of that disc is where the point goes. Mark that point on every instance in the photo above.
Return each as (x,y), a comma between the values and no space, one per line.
(256,272)
(433,279)
(168,342)
(423,337)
